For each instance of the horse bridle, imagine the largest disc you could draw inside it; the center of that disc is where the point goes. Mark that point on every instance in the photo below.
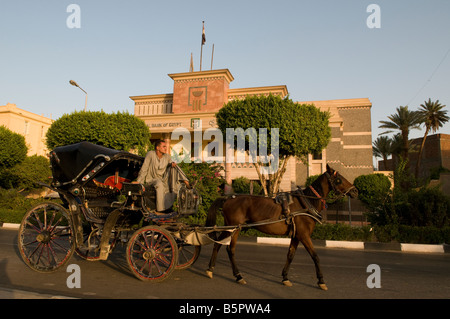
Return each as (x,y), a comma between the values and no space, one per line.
(334,180)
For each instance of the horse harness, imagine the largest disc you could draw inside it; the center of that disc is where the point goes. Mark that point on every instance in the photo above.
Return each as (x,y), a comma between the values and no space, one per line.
(285,199)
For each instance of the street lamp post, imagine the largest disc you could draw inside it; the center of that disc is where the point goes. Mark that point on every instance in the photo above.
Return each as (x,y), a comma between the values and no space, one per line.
(75,84)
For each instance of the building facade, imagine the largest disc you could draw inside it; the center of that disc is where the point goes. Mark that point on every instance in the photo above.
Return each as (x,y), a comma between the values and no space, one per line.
(32,126)
(197,96)
(435,156)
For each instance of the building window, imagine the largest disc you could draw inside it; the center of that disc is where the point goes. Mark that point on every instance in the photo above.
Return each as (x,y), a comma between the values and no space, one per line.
(317,156)
(27,128)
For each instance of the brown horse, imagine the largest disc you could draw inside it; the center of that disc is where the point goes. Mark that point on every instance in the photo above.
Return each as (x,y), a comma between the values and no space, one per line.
(249,209)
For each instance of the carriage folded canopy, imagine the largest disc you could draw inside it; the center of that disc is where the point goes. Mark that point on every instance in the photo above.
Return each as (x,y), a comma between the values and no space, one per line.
(70,163)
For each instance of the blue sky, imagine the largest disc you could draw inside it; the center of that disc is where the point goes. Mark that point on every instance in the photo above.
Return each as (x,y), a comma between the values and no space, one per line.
(320,49)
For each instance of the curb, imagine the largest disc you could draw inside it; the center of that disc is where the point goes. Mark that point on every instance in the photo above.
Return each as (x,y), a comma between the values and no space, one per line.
(404,247)
(9,226)
(418,248)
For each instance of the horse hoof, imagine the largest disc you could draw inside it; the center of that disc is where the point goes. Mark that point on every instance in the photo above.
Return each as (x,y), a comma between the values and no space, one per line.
(209,274)
(287,283)
(323,287)
(241,281)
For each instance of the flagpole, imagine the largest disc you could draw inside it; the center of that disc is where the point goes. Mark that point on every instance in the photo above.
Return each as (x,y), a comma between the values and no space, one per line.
(212,56)
(201,53)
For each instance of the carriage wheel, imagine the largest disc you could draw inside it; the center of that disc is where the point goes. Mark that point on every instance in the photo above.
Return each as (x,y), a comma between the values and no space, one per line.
(46,240)
(187,255)
(152,253)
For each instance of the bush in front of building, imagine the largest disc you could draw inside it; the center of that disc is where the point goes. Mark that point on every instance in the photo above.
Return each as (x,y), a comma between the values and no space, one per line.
(13,148)
(208,181)
(411,234)
(427,206)
(121,131)
(27,174)
(379,233)
(14,205)
(374,191)
(241,185)
(344,232)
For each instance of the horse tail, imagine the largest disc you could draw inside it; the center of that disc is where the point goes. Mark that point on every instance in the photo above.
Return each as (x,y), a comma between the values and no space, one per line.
(212,211)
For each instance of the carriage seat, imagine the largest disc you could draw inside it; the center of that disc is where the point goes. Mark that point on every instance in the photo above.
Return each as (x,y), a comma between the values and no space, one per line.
(139,196)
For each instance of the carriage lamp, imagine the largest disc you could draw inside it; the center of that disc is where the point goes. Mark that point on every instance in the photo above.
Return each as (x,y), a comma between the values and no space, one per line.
(76,84)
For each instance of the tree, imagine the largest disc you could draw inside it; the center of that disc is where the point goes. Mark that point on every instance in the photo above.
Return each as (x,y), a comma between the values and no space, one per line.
(382,147)
(13,149)
(404,120)
(121,131)
(433,117)
(302,130)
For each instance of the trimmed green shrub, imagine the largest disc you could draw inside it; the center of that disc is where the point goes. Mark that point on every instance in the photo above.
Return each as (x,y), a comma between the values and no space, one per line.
(241,185)
(373,189)
(13,148)
(121,131)
(27,174)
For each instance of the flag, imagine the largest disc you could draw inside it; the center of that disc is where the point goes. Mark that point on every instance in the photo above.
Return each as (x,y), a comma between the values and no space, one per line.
(203,34)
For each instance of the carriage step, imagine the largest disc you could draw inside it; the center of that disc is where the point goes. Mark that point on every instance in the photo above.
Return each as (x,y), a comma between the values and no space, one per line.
(104,252)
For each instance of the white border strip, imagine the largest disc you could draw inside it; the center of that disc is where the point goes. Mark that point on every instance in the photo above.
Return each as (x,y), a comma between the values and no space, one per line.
(344,244)
(422,248)
(10,226)
(273,241)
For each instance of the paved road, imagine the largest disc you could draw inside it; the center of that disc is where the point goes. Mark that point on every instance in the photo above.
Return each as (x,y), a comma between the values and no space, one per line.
(402,275)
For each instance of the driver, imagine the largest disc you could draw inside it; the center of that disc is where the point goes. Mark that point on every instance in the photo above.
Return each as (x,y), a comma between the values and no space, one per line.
(159,171)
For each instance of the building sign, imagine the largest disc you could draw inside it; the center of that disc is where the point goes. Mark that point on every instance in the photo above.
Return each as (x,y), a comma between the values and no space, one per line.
(166,124)
(198,96)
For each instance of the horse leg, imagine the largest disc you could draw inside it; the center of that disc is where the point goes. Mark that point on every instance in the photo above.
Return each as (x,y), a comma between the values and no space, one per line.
(290,257)
(312,252)
(212,261)
(231,248)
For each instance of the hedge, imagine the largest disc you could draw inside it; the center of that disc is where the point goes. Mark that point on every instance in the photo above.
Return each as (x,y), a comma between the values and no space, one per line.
(387,233)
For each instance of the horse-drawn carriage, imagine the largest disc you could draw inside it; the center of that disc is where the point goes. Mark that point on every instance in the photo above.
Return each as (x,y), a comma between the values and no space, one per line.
(100,208)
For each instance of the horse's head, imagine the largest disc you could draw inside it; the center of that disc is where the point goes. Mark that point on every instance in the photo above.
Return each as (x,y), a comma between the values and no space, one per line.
(339,184)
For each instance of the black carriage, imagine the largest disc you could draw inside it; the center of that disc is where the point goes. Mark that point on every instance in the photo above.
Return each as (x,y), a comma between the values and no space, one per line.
(100,208)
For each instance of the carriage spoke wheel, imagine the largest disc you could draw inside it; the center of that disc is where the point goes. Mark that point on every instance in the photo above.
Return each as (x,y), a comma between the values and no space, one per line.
(46,240)
(152,253)
(187,255)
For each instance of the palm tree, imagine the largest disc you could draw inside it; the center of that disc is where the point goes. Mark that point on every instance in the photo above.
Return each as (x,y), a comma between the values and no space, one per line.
(433,117)
(404,120)
(382,147)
